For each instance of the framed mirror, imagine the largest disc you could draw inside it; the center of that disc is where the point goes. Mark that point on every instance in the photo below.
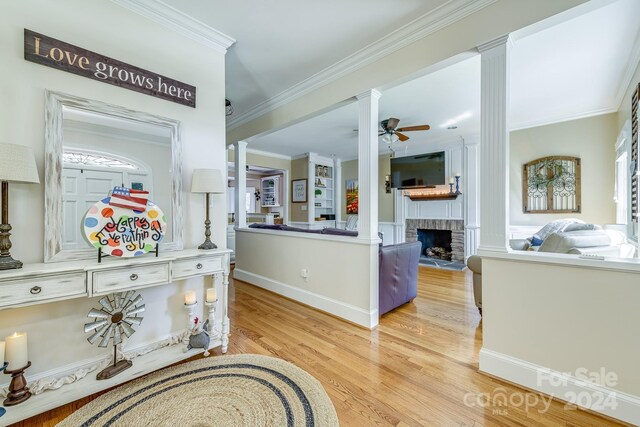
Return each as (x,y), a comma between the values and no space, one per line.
(92,147)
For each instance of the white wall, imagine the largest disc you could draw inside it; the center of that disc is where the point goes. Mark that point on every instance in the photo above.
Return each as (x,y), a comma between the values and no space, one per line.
(339,270)
(562,317)
(593,140)
(55,330)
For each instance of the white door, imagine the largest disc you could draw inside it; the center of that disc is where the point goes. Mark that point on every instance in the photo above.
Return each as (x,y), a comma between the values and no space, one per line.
(81,189)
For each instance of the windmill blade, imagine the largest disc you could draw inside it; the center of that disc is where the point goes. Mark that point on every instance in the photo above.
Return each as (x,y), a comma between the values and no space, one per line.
(98,314)
(401,136)
(136,310)
(392,123)
(127,298)
(134,320)
(117,338)
(106,303)
(126,329)
(137,300)
(107,336)
(117,301)
(93,338)
(413,128)
(94,325)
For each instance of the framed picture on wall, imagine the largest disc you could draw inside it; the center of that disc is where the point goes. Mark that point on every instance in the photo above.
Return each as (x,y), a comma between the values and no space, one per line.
(299,191)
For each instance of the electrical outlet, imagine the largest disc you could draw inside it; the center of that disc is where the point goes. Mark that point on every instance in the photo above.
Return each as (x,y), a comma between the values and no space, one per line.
(303,207)
(304,273)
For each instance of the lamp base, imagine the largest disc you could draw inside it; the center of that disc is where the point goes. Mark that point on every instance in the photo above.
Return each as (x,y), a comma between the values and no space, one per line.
(6,261)
(207,245)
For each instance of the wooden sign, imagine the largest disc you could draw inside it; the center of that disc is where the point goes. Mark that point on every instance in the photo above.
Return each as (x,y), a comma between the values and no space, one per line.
(73,59)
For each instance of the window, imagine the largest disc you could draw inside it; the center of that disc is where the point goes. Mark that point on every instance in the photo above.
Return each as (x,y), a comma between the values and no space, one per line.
(94,159)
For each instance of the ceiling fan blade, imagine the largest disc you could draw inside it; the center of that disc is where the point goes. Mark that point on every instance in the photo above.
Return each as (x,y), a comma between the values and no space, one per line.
(412,128)
(401,136)
(392,123)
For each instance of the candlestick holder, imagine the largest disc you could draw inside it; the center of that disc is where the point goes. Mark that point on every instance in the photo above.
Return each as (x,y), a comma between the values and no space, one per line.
(458,185)
(212,317)
(191,313)
(18,390)
(451,188)
(2,410)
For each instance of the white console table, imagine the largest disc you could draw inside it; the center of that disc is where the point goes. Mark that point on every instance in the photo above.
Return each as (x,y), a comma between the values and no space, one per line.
(42,283)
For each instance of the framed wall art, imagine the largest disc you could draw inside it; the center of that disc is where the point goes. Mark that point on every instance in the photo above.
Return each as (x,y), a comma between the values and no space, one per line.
(299,191)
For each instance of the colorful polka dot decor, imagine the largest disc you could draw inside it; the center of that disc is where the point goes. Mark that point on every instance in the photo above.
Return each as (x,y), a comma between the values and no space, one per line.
(124,232)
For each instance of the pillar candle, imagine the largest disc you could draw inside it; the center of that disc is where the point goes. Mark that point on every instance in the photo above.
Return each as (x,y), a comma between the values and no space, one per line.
(457,175)
(451,180)
(190,297)
(16,351)
(212,296)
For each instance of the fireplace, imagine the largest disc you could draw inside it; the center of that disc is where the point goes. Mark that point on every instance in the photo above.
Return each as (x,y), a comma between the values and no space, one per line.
(445,234)
(435,243)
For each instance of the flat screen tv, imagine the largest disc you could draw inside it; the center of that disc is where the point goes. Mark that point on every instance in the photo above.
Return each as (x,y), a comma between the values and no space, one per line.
(418,171)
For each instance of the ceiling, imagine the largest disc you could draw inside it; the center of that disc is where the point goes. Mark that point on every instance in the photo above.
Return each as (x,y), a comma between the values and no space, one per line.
(571,70)
(281,43)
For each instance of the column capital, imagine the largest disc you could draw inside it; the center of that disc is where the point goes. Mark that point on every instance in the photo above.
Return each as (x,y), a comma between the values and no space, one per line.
(498,41)
(370,93)
(239,144)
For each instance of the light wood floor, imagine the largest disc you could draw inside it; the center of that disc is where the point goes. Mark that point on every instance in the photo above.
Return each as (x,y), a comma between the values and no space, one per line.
(413,370)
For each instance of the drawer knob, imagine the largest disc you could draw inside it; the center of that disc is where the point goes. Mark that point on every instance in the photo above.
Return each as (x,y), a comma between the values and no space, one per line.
(35,290)
(133,277)
(198,266)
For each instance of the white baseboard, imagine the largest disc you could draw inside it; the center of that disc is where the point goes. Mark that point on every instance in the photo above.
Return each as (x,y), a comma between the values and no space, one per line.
(586,394)
(360,316)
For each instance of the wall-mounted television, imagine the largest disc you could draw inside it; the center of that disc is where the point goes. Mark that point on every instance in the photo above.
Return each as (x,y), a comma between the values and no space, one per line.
(418,171)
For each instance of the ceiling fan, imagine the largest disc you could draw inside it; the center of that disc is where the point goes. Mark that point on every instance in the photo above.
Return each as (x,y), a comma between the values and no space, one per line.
(389,130)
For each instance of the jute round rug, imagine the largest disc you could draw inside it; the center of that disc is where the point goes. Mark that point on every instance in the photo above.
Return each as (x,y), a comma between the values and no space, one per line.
(241,390)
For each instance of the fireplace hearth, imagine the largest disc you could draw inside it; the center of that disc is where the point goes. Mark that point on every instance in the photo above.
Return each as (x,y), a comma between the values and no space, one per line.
(444,240)
(435,243)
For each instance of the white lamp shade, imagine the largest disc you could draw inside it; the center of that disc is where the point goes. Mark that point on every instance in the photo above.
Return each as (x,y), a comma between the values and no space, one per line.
(18,164)
(207,181)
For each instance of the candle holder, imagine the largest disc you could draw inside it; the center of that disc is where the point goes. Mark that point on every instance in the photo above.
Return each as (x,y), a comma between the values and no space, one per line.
(2,410)
(451,188)
(212,317)
(18,390)
(191,313)
(458,185)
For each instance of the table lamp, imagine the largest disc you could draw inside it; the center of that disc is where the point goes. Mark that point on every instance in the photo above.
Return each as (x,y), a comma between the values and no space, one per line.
(17,164)
(208,181)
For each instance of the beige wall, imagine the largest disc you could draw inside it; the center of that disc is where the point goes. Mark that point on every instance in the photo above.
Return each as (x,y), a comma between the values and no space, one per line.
(592,139)
(563,317)
(263,160)
(299,170)
(274,260)
(502,17)
(385,200)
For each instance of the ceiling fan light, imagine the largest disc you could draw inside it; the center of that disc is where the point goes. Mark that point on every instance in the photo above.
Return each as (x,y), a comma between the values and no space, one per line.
(386,138)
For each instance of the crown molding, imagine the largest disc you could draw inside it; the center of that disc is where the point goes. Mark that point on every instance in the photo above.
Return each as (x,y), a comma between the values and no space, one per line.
(262,152)
(179,22)
(561,118)
(429,23)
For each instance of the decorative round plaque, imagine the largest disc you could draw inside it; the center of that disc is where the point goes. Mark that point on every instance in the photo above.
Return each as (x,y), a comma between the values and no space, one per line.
(124,232)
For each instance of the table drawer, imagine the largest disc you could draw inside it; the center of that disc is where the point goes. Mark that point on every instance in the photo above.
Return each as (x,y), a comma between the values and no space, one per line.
(195,267)
(134,277)
(40,289)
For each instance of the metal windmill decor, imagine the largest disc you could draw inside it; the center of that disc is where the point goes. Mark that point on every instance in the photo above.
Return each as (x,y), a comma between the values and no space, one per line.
(113,320)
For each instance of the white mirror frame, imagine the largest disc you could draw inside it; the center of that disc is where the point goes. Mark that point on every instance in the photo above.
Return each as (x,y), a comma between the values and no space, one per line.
(53,220)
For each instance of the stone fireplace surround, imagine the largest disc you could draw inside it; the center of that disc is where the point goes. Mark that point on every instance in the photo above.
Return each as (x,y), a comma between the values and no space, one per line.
(456,226)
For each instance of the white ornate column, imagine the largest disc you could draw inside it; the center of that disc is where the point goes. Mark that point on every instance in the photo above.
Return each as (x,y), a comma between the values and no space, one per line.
(368,165)
(240,157)
(494,145)
(471,176)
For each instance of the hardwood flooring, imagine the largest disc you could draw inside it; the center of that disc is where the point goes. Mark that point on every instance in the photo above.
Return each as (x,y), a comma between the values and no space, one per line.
(418,368)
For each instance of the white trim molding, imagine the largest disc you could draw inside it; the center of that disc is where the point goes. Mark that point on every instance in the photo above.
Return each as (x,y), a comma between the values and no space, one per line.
(561,386)
(437,19)
(180,22)
(357,315)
